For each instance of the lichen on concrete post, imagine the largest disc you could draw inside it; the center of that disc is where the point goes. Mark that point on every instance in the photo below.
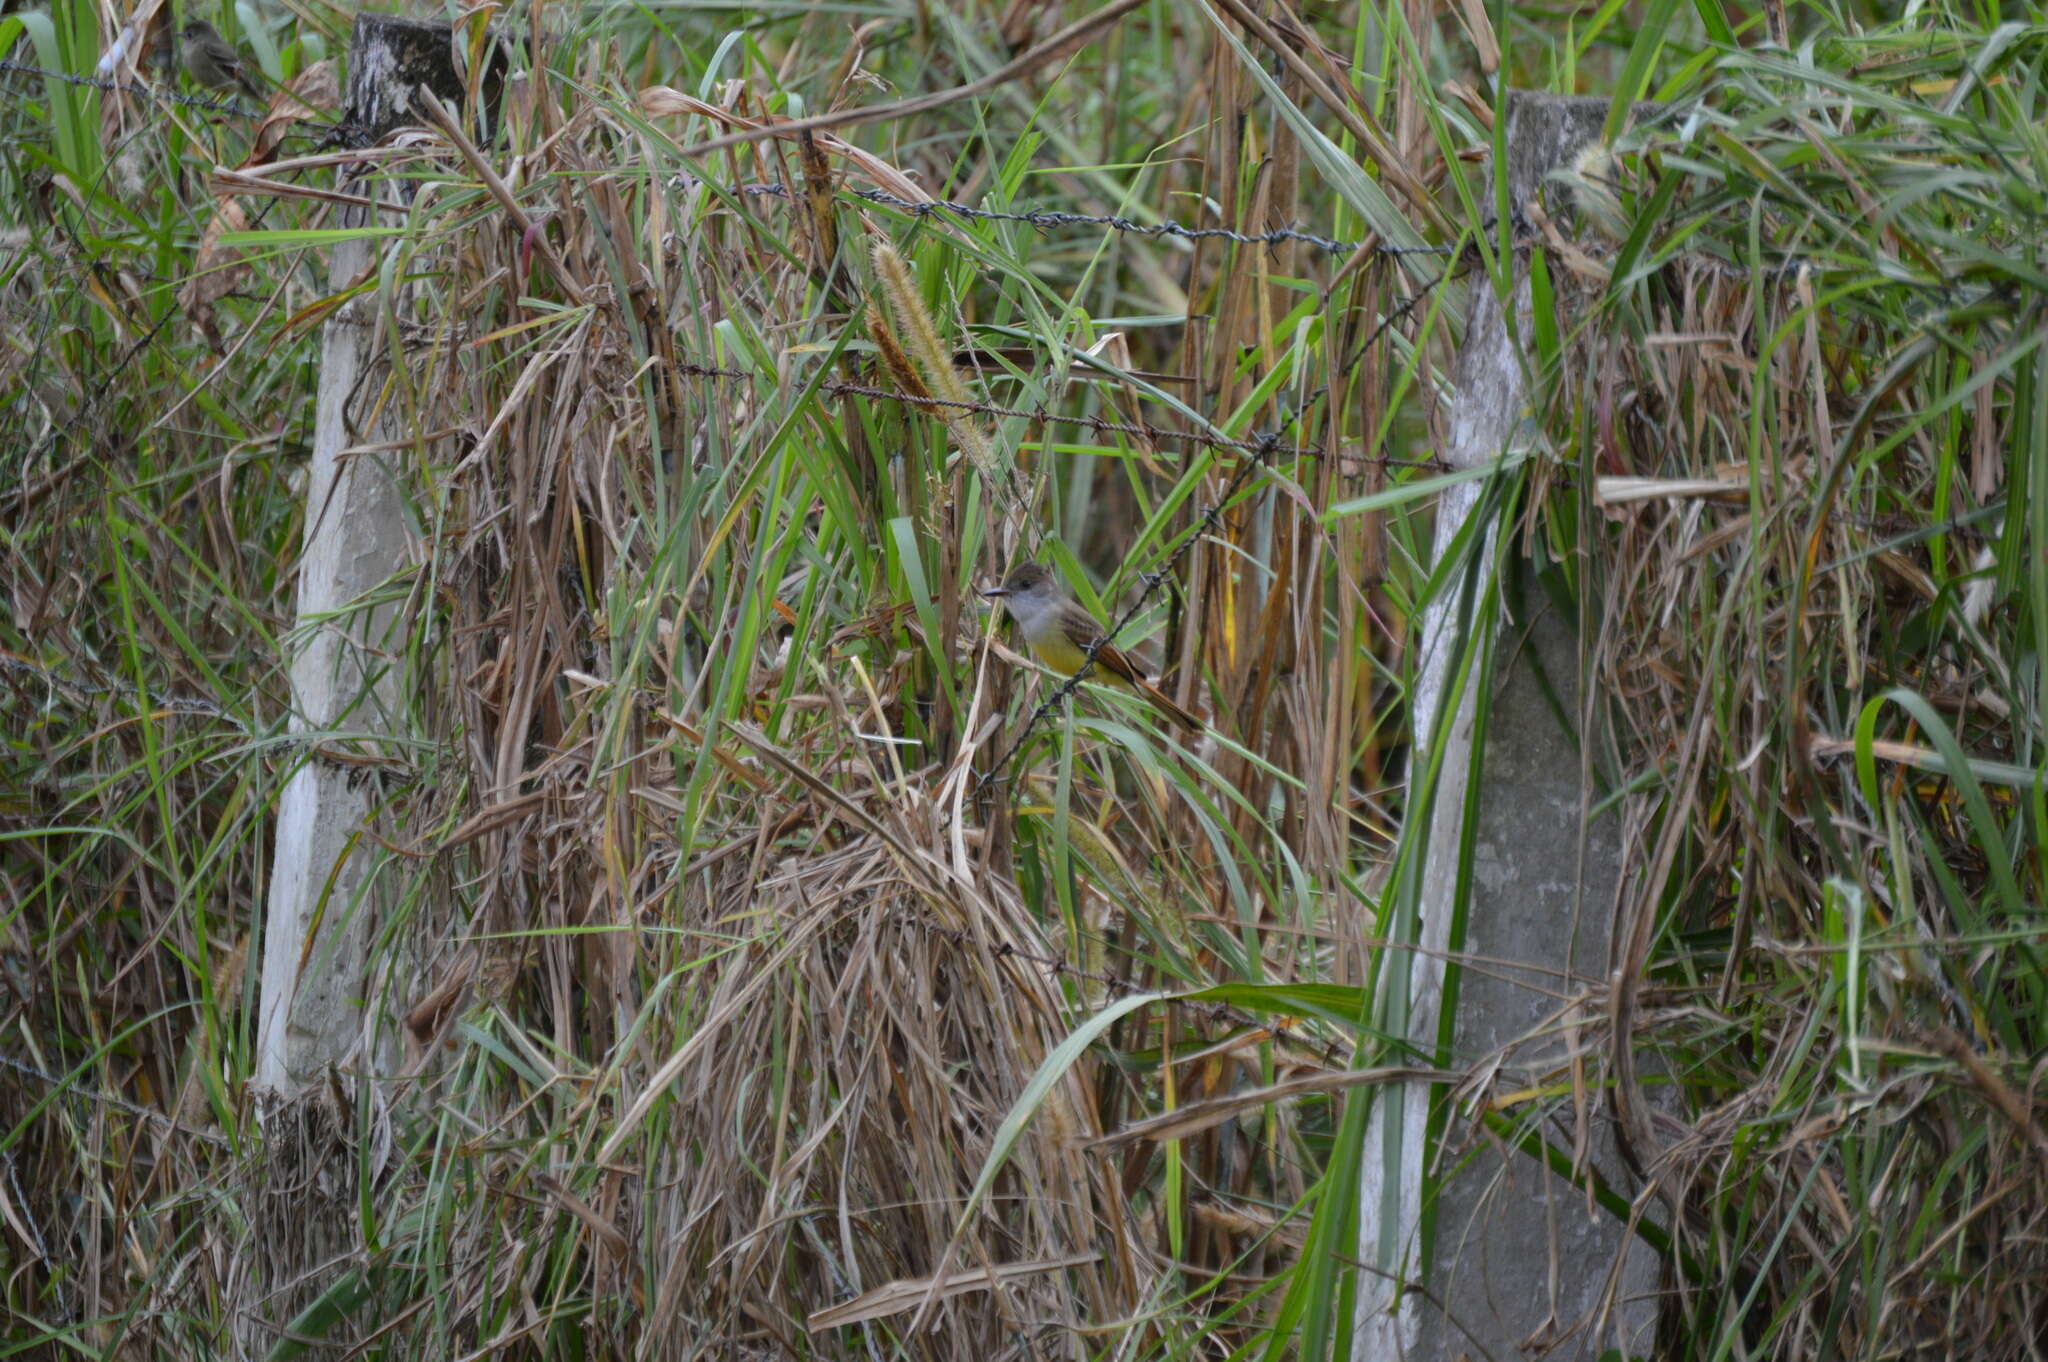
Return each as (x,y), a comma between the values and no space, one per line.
(348,697)
(318,1028)
(1528,1269)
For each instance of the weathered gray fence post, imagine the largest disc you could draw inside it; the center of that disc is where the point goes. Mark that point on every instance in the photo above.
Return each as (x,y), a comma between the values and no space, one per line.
(344,672)
(1520,1267)
(349,696)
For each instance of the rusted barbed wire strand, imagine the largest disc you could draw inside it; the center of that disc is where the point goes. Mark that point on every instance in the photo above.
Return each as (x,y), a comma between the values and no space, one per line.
(232,106)
(1044,219)
(1961,527)
(1525,236)
(1100,425)
(181,705)
(107,1099)
(1278,1028)
(195,707)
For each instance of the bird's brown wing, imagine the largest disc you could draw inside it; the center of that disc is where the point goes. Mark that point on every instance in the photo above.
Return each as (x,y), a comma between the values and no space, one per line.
(1131,672)
(1119,664)
(1122,666)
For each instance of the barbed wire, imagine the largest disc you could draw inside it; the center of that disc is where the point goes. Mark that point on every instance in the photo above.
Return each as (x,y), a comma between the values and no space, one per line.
(1961,526)
(233,106)
(1524,236)
(181,705)
(1045,219)
(107,1099)
(198,707)
(1102,425)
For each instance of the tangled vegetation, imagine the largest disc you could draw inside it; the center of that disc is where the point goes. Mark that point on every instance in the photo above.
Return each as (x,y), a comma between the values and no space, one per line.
(753,942)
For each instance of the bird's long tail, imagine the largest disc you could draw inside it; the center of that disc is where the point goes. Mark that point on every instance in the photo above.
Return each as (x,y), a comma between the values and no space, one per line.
(1167,704)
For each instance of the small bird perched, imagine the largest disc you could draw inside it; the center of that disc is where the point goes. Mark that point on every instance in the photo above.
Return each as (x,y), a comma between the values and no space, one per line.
(1059,633)
(211,62)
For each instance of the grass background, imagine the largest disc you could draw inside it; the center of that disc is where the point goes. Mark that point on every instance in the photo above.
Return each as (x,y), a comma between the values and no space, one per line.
(691,788)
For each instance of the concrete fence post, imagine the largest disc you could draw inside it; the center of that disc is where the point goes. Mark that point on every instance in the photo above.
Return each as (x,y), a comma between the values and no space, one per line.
(1520,1264)
(347,691)
(318,1028)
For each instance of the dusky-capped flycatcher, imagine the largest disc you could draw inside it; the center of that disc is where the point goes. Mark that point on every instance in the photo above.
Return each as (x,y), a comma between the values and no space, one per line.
(1059,633)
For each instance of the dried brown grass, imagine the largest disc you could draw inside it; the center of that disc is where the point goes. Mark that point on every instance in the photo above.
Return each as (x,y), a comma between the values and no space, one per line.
(1829,1112)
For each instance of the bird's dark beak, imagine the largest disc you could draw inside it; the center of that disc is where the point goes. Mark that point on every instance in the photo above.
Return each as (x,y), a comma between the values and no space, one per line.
(996,591)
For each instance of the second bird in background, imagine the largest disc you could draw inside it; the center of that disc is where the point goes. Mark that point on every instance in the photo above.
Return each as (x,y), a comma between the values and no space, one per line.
(1059,633)
(212,62)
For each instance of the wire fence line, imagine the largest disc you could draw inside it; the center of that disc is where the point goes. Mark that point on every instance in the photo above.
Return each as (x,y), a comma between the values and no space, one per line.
(165,703)
(1525,235)
(1046,219)
(170,96)
(1288,1028)
(179,705)
(921,208)
(70,1088)
(1101,425)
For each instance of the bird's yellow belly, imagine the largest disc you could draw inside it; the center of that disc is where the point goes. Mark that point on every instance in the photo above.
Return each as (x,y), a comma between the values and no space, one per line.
(1062,656)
